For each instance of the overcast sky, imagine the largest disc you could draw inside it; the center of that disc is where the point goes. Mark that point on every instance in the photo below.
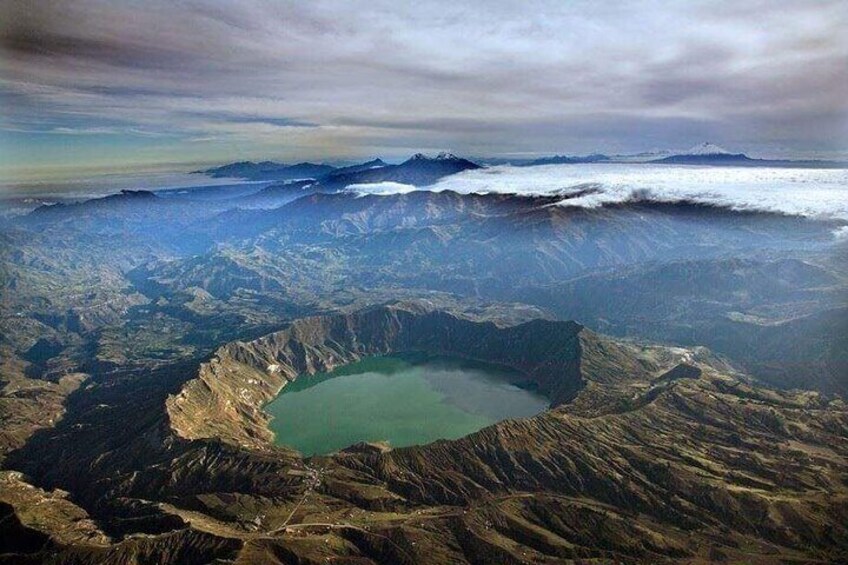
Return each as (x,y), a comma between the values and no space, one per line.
(89,83)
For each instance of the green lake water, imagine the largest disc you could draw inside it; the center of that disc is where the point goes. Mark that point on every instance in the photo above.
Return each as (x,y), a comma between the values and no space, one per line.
(404,399)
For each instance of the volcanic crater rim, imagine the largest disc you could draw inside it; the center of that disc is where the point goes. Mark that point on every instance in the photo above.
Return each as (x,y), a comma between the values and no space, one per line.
(226,400)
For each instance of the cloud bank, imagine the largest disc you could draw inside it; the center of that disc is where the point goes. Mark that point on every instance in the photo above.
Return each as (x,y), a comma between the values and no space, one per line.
(808,192)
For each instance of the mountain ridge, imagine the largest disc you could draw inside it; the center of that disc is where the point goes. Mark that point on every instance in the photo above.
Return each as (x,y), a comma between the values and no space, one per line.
(419,170)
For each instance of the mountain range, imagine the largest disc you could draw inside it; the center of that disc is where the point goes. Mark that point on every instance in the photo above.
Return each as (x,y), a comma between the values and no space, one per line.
(418,170)
(705,154)
(693,357)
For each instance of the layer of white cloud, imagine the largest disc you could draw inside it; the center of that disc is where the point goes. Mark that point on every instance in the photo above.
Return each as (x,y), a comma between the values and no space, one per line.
(809,192)
(381,188)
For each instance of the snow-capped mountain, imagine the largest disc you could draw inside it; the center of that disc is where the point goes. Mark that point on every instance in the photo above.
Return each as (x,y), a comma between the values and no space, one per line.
(707,148)
(706,154)
(702,150)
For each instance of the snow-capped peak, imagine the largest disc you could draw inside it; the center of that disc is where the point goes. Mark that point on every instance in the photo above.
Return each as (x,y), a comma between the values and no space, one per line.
(707,148)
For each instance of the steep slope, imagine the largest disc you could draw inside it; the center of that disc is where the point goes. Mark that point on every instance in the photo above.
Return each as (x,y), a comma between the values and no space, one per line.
(648,454)
(782,318)
(223,401)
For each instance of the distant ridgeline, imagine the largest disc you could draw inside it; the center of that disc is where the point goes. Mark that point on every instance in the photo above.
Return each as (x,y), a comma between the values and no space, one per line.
(706,153)
(419,170)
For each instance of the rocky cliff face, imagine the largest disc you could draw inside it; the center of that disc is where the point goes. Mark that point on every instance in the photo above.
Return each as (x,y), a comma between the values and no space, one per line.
(226,398)
(648,454)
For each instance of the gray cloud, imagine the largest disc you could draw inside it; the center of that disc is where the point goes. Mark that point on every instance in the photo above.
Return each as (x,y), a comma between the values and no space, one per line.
(358,77)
